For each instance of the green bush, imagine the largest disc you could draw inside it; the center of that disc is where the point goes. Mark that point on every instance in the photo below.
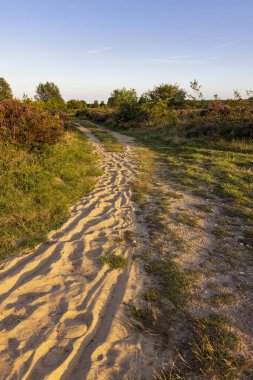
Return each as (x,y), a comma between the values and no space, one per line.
(5,90)
(171,94)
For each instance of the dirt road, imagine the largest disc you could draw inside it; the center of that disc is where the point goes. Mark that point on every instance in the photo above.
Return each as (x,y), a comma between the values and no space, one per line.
(62,311)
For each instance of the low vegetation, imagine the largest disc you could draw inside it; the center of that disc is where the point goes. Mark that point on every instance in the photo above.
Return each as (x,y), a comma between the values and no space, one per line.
(109,142)
(114,261)
(43,169)
(200,343)
(194,192)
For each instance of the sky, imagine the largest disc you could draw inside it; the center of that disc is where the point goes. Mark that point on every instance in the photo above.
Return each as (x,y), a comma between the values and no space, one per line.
(90,47)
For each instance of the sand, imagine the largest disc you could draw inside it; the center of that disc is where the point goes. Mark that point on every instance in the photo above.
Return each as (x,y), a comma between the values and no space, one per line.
(62,313)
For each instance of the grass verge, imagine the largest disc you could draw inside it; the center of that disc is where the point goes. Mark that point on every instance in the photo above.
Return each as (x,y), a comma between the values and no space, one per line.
(200,345)
(37,186)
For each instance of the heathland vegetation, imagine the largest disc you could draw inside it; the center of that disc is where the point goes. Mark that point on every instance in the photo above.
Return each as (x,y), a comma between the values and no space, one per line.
(45,165)
(195,196)
(193,192)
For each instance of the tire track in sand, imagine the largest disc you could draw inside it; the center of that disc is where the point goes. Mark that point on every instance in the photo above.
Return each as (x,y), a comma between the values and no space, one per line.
(61,313)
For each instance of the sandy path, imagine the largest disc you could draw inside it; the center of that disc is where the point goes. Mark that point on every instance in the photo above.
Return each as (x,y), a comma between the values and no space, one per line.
(61,311)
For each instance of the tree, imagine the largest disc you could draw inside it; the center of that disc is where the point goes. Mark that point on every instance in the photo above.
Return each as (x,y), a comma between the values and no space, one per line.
(249,94)
(171,94)
(76,104)
(5,90)
(196,88)
(49,93)
(116,96)
(126,104)
(237,95)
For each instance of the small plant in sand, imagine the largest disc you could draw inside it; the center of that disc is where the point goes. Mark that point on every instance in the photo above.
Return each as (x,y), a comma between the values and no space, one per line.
(114,261)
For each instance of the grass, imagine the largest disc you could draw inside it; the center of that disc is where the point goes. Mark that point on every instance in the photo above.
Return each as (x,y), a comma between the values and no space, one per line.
(37,186)
(114,261)
(218,300)
(217,170)
(194,163)
(207,353)
(204,207)
(220,232)
(190,220)
(210,347)
(172,281)
(109,142)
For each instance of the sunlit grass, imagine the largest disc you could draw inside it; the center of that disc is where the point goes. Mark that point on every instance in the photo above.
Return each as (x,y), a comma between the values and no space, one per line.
(37,187)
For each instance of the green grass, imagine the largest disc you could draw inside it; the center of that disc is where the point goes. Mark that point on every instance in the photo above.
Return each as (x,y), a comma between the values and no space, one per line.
(173,282)
(109,142)
(204,207)
(114,261)
(219,170)
(225,166)
(37,187)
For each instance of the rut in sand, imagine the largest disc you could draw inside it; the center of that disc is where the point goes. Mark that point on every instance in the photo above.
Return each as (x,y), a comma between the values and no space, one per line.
(61,313)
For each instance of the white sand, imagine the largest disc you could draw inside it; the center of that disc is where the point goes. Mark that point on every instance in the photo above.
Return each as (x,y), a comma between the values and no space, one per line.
(62,313)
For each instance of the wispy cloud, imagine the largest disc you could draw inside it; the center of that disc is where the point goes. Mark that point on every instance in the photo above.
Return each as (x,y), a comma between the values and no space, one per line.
(229,43)
(96,51)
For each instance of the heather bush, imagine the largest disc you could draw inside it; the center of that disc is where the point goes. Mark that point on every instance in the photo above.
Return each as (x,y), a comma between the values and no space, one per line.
(101,115)
(25,123)
(221,121)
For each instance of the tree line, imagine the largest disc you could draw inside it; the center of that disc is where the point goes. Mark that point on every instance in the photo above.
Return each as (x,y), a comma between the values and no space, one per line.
(170,94)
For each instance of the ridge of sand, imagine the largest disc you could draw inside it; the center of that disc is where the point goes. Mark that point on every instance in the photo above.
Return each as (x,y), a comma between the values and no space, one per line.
(61,311)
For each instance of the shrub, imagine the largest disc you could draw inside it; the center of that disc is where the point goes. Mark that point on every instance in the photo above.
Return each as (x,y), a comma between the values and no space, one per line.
(29,124)
(5,90)
(219,108)
(97,114)
(127,106)
(75,104)
(172,95)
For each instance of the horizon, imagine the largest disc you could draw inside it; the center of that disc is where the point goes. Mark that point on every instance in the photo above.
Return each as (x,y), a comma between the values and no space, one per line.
(88,50)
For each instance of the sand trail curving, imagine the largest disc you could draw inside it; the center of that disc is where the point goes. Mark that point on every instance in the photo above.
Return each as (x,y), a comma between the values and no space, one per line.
(61,311)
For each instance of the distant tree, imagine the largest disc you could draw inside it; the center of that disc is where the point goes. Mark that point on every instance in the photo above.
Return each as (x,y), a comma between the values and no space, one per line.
(216,97)
(76,104)
(49,92)
(26,99)
(249,94)
(196,88)
(102,104)
(95,104)
(237,95)
(5,90)
(171,94)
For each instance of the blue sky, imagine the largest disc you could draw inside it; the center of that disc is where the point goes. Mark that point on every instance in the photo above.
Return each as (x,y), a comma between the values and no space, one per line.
(88,48)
